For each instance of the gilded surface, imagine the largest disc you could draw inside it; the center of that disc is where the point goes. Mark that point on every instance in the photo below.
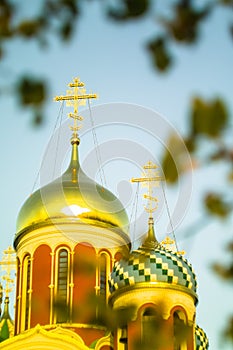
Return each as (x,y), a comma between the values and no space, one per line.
(73,196)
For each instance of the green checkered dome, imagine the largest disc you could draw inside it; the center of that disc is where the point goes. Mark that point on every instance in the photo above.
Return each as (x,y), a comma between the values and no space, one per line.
(152,263)
(201,339)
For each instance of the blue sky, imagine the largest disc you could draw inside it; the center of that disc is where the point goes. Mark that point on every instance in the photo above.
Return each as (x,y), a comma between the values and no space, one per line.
(111,59)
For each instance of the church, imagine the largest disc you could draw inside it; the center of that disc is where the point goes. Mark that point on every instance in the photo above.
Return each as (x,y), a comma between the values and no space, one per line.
(80,286)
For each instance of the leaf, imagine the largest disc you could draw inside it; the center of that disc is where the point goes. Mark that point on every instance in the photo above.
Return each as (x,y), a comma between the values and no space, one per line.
(190,143)
(224,272)
(6,12)
(184,26)
(129,9)
(29,28)
(66,31)
(226,2)
(38,118)
(1,52)
(208,118)
(70,5)
(169,168)
(218,116)
(31,91)
(160,56)
(230,247)
(176,159)
(228,333)
(231,31)
(215,205)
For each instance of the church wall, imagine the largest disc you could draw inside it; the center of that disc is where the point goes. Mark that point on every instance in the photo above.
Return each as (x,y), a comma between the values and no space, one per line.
(155,318)
(86,276)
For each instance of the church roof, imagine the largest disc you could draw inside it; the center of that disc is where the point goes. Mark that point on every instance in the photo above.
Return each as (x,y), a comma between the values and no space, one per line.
(6,323)
(152,263)
(73,197)
(38,338)
(201,339)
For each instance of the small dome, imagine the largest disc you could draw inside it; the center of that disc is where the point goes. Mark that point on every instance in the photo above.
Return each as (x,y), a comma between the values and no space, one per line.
(202,342)
(73,197)
(152,263)
(6,323)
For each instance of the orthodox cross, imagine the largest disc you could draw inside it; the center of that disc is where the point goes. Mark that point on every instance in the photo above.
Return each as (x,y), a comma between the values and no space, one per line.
(171,245)
(76,96)
(8,264)
(150,179)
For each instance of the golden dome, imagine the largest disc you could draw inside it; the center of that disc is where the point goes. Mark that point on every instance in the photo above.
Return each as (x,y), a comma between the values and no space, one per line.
(73,197)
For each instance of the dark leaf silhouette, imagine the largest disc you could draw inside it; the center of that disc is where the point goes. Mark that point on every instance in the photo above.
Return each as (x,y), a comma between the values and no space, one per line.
(38,118)
(184,26)
(161,58)
(129,9)
(208,118)
(31,28)
(6,12)
(215,205)
(229,330)
(224,272)
(31,91)
(169,168)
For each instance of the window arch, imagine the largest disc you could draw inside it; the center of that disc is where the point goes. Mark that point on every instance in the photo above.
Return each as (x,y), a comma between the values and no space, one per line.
(104,271)
(26,293)
(62,286)
(180,330)
(151,327)
(103,274)
(17,306)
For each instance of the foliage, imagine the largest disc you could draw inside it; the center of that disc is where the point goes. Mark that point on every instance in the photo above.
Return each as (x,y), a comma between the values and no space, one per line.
(130,9)
(207,119)
(59,17)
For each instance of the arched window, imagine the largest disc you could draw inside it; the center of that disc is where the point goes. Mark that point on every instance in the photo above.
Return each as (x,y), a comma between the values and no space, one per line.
(62,284)
(28,284)
(26,293)
(103,274)
(151,325)
(17,306)
(148,322)
(104,270)
(180,330)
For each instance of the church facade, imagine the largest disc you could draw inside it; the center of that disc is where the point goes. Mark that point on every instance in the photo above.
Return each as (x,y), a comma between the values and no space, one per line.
(79,284)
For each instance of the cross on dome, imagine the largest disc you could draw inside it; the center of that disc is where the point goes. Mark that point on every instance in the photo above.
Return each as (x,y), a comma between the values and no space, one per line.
(8,264)
(76,96)
(150,179)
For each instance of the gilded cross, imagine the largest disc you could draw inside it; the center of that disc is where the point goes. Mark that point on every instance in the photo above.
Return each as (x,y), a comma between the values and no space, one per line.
(76,96)
(150,179)
(8,264)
